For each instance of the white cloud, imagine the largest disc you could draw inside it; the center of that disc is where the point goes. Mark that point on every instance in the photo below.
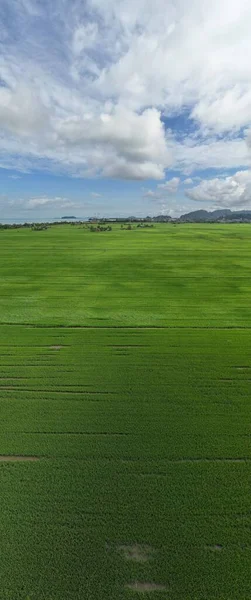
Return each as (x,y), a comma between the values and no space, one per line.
(96,195)
(195,154)
(188,181)
(173,208)
(84,85)
(122,169)
(229,110)
(180,55)
(45,201)
(43,206)
(136,143)
(232,192)
(84,37)
(22,112)
(169,188)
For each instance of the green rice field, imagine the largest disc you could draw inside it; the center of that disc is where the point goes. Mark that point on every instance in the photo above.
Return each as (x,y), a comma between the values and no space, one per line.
(125,413)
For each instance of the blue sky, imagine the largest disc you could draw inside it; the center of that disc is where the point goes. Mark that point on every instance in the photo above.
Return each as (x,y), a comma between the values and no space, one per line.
(115,108)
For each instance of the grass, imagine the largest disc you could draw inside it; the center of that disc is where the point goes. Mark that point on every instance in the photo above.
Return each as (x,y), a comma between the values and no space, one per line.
(125,368)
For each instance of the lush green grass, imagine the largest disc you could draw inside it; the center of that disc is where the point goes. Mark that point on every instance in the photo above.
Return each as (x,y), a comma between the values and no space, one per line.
(169,275)
(125,366)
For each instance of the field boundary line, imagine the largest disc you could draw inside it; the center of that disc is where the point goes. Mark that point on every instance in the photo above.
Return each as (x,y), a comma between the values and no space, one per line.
(158,327)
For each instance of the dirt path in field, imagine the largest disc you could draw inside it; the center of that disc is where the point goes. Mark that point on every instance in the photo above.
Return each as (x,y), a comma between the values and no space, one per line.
(12,458)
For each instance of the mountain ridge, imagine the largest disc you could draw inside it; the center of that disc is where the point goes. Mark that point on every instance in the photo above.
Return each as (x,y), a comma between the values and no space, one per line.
(220,215)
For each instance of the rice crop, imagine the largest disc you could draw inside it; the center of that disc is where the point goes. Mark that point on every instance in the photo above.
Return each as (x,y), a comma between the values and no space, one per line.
(125,429)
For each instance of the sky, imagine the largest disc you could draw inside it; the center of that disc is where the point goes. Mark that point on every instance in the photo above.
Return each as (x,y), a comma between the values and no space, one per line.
(115,108)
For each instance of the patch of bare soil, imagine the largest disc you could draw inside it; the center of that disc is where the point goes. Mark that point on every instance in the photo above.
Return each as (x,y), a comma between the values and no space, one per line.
(136,552)
(138,586)
(13,458)
(56,347)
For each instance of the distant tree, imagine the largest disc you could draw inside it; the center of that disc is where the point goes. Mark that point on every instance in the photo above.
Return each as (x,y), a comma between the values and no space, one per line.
(99,228)
(39,227)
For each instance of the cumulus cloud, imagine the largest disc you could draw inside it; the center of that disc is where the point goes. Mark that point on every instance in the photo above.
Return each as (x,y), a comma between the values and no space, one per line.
(231,192)
(136,143)
(180,55)
(188,181)
(174,209)
(85,87)
(169,188)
